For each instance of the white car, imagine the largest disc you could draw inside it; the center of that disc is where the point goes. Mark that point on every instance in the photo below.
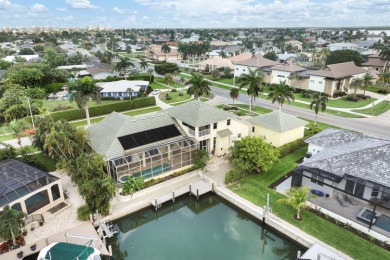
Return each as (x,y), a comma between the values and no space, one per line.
(156,92)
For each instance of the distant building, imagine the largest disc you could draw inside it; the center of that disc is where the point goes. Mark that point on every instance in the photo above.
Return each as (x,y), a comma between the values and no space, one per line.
(119,89)
(376,63)
(343,46)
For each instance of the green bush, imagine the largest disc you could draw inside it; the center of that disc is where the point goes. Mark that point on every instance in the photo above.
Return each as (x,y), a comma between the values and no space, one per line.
(233,176)
(166,68)
(76,114)
(291,147)
(83,213)
(54,87)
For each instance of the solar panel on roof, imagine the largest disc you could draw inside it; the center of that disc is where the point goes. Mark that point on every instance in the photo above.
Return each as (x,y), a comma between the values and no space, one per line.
(148,136)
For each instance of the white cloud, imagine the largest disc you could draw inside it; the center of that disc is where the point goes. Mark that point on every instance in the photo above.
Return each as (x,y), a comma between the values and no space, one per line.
(8,5)
(60,9)
(118,10)
(81,4)
(37,8)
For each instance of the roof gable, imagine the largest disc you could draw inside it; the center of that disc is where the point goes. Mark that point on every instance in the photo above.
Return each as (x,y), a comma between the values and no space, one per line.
(257,61)
(278,121)
(339,70)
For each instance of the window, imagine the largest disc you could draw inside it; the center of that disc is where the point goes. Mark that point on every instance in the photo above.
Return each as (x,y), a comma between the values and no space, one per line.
(120,94)
(320,82)
(55,192)
(228,122)
(215,126)
(375,191)
(312,81)
(243,70)
(281,76)
(253,129)
(317,179)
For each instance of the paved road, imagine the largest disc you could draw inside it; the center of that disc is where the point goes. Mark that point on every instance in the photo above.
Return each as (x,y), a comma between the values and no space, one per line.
(379,126)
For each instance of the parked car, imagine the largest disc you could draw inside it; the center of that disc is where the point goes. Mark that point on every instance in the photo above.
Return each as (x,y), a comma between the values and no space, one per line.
(156,92)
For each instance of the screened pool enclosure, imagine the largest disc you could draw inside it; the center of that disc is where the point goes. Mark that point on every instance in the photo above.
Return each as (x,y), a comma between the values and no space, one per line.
(153,160)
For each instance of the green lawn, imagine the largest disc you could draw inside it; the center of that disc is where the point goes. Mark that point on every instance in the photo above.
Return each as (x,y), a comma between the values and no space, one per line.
(375,89)
(376,110)
(341,102)
(129,113)
(327,111)
(50,105)
(260,110)
(172,85)
(6,137)
(175,97)
(255,188)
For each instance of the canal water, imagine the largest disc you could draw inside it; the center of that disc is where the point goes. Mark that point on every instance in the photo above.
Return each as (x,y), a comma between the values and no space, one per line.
(208,228)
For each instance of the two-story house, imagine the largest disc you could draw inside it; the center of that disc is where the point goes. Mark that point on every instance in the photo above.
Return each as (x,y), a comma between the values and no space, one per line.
(255,62)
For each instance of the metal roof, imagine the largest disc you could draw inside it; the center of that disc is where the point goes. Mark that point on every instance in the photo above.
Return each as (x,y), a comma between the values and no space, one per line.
(224,133)
(278,121)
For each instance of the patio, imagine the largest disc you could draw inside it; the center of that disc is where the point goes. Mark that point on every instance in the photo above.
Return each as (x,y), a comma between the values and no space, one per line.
(349,208)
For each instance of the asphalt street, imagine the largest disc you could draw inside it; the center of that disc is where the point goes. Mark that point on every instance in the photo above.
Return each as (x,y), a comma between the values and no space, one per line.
(379,126)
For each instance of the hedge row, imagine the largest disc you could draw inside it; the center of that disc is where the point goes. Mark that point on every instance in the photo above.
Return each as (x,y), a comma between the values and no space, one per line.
(291,147)
(145,77)
(76,114)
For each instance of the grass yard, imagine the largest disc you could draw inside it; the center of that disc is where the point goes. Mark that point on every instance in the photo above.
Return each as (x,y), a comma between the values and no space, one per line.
(327,111)
(255,188)
(172,84)
(175,97)
(260,110)
(6,137)
(129,113)
(341,102)
(376,110)
(50,105)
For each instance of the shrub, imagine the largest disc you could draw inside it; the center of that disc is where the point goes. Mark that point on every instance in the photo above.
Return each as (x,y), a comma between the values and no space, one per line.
(61,107)
(83,213)
(76,114)
(168,97)
(361,96)
(36,93)
(108,98)
(353,98)
(233,176)
(166,68)
(383,91)
(339,93)
(291,147)
(230,108)
(173,90)
(54,87)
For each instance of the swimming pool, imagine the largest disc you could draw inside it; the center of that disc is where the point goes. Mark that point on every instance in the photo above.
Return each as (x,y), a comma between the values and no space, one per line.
(148,173)
(383,222)
(208,228)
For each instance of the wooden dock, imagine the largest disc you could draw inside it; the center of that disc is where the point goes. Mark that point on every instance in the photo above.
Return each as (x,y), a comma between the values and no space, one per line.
(196,189)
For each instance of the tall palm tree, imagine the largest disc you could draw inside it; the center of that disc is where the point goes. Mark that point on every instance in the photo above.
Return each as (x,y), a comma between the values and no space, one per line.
(281,92)
(143,64)
(86,89)
(367,81)
(10,223)
(319,102)
(234,93)
(168,78)
(198,86)
(222,54)
(356,83)
(385,78)
(150,71)
(253,80)
(123,64)
(384,54)
(130,92)
(296,197)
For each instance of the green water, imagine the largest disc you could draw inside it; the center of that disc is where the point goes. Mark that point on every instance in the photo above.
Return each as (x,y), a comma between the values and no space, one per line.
(191,229)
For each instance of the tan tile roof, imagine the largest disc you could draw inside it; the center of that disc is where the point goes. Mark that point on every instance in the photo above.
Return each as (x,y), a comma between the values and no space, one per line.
(218,62)
(374,60)
(339,70)
(241,57)
(257,61)
(288,66)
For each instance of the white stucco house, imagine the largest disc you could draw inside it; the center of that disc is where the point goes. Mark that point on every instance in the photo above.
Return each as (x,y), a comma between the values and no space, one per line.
(343,46)
(119,89)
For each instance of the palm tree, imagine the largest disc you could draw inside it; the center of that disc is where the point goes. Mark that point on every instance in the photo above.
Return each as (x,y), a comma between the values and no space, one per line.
(367,81)
(385,78)
(150,71)
(356,83)
(132,185)
(234,93)
(281,92)
(324,53)
(168,78)
(296,197)
(143,64)
(254,81)
(198,87)
(10,220)
(384,54)
(130,92)
(319,102)
(123,64)
(222,54)
(85,89)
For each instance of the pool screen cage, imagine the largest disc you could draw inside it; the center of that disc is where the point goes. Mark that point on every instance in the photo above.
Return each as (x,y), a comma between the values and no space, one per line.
(352,197)
(151,161)
(18,179)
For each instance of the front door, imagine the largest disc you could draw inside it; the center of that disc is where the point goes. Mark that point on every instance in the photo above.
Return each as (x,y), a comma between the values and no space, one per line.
(204,145)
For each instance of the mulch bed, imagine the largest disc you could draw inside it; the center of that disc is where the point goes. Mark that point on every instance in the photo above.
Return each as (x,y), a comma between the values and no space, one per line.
(58,207)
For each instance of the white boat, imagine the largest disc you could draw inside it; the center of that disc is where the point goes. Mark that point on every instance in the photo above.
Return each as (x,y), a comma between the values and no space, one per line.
(68,251)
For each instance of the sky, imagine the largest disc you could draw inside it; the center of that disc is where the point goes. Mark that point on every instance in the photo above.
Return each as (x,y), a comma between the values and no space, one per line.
(194,13)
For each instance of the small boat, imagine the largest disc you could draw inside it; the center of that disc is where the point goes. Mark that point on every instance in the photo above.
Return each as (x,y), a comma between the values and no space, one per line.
(68,251)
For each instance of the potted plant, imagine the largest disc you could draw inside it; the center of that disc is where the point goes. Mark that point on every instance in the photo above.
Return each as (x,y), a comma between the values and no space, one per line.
(20,254)
(33,247)
(24,232)
(41,223)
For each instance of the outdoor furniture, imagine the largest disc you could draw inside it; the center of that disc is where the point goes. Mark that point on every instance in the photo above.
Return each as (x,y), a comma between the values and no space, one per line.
(341,199)
(317,193)
(351,200)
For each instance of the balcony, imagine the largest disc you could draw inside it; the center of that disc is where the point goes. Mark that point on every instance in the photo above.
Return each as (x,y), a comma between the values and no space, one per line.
(204,132)
(191,132)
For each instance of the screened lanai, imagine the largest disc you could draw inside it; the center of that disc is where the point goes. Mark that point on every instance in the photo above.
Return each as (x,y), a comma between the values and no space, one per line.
(155,159)
(26,188)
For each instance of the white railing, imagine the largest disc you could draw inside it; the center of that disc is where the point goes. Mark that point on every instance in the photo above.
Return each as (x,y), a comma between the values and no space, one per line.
(204,132)
(191,132)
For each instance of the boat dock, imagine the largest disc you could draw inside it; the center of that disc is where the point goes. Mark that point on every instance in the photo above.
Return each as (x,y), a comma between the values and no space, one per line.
(197,189)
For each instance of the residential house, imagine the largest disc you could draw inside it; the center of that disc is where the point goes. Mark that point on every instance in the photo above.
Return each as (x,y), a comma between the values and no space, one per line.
(28,58)
(28,189)
(350,162)
(297,45)
(253,63)
(152,145)
(215,63)
(119,89)
(285,72)
(343,46)
(335,77)
(278,128)
(375,62)
(218,45)
(154,51)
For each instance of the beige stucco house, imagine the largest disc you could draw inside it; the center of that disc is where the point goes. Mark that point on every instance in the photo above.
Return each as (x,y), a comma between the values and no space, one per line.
(253,63)
(278,128)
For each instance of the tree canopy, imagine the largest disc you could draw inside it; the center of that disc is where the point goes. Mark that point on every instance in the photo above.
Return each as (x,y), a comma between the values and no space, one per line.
(341,56)
(165,68)
(271,56)
(253,155)
(26,51)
